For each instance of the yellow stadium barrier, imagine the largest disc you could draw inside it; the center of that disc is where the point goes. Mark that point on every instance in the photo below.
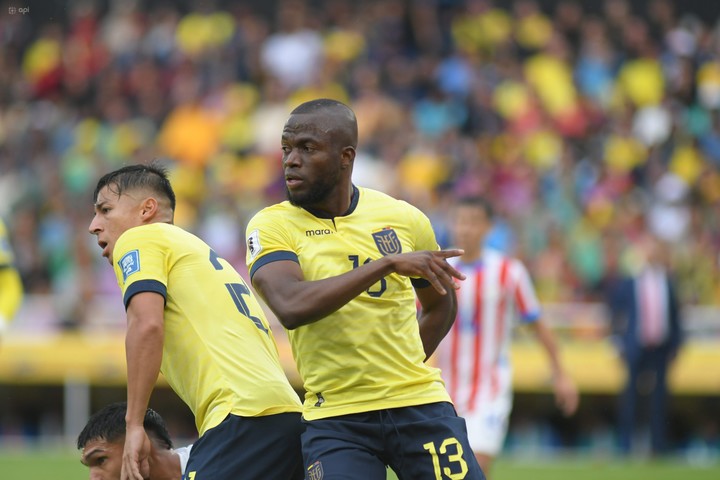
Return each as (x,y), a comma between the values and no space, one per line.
(99,359)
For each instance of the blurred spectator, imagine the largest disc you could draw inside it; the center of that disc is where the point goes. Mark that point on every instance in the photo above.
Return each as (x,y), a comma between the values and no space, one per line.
(293,53)
(579,120)
(11,292)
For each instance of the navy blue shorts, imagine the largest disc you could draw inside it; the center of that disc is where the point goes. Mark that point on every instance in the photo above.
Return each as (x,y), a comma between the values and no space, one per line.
(420,442)
(265,447)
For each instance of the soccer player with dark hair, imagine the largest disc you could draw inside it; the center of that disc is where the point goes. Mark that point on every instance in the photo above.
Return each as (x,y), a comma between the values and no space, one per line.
(103,437)
(191,316)
(337,264)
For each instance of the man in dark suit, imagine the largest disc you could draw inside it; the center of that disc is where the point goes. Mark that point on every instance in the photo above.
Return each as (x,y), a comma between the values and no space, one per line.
(646,323)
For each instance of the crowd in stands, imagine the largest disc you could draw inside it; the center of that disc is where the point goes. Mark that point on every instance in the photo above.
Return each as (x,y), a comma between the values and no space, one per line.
(587,124)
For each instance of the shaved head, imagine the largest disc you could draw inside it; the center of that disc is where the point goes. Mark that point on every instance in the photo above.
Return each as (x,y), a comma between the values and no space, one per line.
(318,142)
(332,117)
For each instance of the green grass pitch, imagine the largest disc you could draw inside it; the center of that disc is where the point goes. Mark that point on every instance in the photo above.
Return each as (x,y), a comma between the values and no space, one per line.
(65,465)
(579,468)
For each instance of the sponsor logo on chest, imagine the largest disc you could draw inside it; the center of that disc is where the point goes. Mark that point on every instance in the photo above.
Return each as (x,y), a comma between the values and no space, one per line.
(318,232)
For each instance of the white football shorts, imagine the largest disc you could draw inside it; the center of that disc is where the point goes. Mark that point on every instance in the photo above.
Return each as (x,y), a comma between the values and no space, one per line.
(487,425)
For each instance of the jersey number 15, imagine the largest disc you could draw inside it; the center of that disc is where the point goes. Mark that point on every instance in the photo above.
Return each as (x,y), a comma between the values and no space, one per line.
(236,291)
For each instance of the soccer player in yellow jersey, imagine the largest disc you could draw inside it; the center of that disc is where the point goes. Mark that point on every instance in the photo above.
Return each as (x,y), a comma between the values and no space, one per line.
(191,317)
(337,264)
(11,290)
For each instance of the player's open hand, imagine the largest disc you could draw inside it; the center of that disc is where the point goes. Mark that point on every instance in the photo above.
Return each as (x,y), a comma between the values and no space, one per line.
(430,265)
(136,454)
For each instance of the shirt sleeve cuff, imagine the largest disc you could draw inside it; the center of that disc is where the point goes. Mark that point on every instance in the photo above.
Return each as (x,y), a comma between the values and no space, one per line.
(273,257)
(144,286)
(530,317)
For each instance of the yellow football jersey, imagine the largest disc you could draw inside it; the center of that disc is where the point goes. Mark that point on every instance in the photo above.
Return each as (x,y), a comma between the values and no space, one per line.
(368,355)
(11,290)
(219,354)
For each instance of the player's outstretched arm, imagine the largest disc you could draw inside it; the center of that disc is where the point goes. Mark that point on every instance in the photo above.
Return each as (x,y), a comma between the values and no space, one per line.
(296,301)
(436,316)
(143,350)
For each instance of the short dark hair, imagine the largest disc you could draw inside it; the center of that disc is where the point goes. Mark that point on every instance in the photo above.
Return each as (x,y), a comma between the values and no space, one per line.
(108,423)
(152,176)
(479,202)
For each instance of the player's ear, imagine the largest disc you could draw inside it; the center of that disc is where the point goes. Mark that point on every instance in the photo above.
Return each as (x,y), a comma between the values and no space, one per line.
(347,157)
(149,208)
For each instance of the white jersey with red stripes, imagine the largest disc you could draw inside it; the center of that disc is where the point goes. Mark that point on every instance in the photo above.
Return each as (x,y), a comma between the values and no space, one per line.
(474,356)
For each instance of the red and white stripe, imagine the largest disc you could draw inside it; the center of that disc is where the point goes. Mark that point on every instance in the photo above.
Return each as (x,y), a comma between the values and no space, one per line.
(474,356)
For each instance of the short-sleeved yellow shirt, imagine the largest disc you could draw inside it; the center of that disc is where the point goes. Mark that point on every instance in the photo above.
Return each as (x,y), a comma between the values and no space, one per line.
(368,355)
(219,354)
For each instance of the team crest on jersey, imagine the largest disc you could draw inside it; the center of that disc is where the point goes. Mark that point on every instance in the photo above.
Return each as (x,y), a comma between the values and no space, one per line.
(387,241)
(253,244)
(129,264)
(315,471)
